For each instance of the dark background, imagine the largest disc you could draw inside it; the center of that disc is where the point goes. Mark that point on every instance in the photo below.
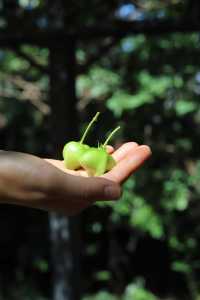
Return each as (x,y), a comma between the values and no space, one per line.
(138,63)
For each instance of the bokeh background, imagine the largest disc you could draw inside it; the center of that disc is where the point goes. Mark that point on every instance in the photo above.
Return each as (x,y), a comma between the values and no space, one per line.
(138,62)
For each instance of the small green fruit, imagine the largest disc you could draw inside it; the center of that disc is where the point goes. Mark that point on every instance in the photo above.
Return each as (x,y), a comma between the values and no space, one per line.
(110,163)
(94,161)
(72,151)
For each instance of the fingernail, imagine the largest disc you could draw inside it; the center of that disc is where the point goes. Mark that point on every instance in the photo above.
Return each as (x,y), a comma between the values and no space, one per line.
(112,192)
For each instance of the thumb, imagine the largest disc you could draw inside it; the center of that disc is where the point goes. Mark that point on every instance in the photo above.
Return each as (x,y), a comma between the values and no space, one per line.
(92,189)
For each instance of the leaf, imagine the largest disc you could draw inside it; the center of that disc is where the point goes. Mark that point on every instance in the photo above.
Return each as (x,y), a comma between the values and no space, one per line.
(150,88)
(137,291)
(102,295)
(103,275)
(184,107)
(182,267)
(121,101)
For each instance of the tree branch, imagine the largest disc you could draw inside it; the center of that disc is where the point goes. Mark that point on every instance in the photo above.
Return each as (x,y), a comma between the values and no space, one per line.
(24,91)
(31,60)
(152,27)
(117,29)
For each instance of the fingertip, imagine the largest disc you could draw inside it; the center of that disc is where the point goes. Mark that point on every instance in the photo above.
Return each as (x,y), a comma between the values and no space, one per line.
(110,149)
(146,149)
(129,164)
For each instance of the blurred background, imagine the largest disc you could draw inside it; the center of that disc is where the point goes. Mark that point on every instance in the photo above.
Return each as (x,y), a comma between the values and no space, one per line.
(137,62)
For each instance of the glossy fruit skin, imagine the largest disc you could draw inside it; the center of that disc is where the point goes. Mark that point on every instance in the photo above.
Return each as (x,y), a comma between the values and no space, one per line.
(72,152)
(110,163)
(96,161)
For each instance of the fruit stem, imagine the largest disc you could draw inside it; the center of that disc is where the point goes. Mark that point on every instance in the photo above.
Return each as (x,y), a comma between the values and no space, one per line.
(110,136)
(94,119)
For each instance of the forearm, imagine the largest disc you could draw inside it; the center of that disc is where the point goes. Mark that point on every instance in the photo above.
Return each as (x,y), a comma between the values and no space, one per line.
(24,179)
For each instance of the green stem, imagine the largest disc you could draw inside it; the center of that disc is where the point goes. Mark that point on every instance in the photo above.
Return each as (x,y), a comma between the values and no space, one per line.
(110,136)
(88,127)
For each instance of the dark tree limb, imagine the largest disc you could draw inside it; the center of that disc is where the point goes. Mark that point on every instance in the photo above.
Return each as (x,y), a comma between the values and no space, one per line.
(152,27)
(31,60)
(116,30)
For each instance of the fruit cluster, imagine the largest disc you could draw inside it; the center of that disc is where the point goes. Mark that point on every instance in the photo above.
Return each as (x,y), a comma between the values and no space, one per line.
(94,160)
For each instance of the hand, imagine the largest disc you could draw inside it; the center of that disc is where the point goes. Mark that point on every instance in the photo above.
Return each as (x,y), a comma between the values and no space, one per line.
(129,157)
(45,183)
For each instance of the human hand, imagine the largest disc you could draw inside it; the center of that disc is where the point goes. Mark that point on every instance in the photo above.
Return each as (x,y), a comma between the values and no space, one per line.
(129,157)
(46,184)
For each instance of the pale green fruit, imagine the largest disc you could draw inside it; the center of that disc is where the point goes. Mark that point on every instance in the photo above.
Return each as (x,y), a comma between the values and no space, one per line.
(72,153)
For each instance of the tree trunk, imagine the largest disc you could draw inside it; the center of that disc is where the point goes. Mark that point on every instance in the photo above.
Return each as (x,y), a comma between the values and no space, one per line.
(64,231)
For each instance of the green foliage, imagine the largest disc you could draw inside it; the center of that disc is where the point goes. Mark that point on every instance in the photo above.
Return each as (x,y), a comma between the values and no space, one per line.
(184,107)
(103,275)
(134,208)
(176,193)
(134,291)
(150,85)
(102,295)
(157,97)
(101,83)
(97,84)
(137,291)
(159,103)
(182,267)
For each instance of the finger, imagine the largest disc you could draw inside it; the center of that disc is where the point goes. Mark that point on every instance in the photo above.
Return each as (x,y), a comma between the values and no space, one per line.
(123,151)
(109,149)
(129,164)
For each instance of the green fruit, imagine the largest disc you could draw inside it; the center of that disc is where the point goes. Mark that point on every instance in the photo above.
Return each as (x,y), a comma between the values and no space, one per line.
(72,151)
(110,163)
(96,161)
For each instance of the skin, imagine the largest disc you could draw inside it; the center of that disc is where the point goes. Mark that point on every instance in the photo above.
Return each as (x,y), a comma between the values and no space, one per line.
(46,184)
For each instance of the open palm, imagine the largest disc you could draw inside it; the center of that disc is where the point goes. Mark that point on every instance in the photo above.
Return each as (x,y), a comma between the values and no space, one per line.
(46,184)
(129,157)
